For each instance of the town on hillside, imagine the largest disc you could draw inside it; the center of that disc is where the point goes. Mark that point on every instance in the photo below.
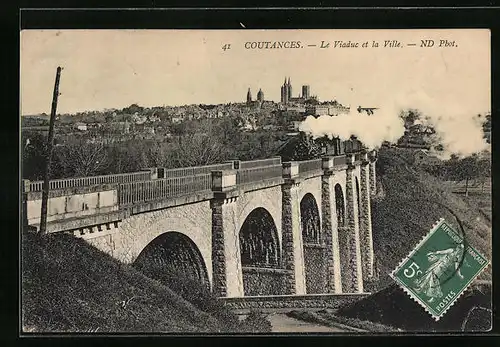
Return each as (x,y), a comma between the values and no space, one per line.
(134,137)
(123,139)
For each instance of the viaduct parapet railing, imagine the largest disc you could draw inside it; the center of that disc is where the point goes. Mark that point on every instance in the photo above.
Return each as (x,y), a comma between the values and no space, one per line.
(63,183)
(310,165)
(196,179)
(257,163)
(77,202)
(158,183)
(136,192)
(152,174)
(341,160)
(257,174)
(193,170)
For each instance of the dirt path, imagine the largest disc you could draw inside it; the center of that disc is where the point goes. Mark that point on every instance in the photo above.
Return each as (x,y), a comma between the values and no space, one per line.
(281,323)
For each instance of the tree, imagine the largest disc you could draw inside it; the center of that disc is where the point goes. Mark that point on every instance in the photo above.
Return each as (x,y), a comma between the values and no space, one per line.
(108,117)
(178,130)
(80,159)
(159,154)
(467,169)
(484,167)
(228,130)
(199,149)
(127,156)
(34,148)
(409,117)
(133,109)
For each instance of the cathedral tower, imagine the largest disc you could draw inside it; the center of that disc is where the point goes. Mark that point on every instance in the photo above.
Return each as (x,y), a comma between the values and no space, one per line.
(289,89)
(249,96)
(285,95)
(260,96)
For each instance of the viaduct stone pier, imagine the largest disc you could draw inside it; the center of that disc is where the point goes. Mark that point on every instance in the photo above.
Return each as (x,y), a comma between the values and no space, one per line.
(241,228)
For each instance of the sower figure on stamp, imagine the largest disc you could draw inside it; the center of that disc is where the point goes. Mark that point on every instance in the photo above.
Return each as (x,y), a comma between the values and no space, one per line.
(440,263)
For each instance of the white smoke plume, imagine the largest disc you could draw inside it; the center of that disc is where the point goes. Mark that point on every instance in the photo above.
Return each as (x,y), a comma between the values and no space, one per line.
(458,129)
(371,130)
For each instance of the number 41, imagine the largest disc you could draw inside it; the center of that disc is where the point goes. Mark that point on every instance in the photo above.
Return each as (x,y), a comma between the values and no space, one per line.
(414,270)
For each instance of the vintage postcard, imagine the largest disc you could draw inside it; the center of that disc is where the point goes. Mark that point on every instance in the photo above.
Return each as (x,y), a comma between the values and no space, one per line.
(256,181)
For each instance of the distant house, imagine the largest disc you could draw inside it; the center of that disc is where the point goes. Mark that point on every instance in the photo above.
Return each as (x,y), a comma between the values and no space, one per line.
(138,119)
(422,156)
(81,126)
(153,118)
(327,110)
(421,129)
(299,108)
(319,110)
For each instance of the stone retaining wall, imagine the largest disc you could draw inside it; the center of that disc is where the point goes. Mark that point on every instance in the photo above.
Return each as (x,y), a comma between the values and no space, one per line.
(262,281)
(330,301)
(315,268)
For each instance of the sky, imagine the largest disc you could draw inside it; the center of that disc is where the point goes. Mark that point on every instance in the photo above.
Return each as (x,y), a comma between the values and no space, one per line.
(116,68)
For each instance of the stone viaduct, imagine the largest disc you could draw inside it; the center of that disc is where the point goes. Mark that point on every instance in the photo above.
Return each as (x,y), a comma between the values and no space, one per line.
(242,228)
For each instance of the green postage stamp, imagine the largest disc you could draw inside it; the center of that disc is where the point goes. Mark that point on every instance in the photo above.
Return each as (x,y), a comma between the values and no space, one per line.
(439,269)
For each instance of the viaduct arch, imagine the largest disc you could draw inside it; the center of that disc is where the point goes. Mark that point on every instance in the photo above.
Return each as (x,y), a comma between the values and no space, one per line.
(313,245)
(340,205)
(260,254)
(259,244)
(173,258)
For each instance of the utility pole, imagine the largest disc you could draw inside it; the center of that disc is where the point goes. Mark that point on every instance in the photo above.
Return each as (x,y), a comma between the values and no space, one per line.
(48,158)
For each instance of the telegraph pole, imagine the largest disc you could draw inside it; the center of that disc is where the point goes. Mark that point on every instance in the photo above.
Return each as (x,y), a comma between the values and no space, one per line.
(48,158)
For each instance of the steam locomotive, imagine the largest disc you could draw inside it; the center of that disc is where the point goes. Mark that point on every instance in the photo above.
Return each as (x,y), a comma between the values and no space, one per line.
(336,146)
(304,147)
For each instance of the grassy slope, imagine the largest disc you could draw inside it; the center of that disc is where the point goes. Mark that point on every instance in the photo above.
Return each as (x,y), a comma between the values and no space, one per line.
(408,204)
(394,308)
(67,285)
(327,317)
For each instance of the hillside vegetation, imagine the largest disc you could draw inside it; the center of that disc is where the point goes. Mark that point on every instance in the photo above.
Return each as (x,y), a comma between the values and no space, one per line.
(409,201)
(69,286)
(392,307)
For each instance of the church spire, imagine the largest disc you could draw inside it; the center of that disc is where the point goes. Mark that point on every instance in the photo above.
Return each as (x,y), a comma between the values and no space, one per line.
(260,95)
